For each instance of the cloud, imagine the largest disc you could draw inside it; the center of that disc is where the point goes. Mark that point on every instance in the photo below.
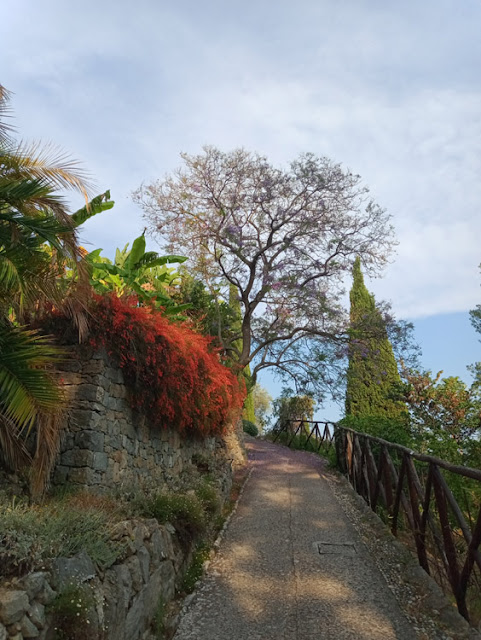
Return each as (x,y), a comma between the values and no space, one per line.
(390,90)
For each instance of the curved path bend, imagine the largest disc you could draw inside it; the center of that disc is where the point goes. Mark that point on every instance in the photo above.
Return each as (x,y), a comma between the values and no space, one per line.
(291,566)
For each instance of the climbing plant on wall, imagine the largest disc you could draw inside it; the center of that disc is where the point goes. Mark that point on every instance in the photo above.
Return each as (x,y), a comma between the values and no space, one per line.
(176,378)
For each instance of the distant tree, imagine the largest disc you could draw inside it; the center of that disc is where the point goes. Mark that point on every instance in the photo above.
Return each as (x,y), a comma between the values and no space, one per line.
(293,407)
(372,374)
(475,315)
(284,239)
(445,413)
(262,405)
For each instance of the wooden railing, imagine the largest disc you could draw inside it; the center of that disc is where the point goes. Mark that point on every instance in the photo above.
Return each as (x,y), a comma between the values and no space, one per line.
(430,504)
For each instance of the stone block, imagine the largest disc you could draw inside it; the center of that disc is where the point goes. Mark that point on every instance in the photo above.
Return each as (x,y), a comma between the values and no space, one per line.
(84,419)
(33,583)
(124,584)
(47,595)
(94,366)
(82,475)
(36,613)
(13,606)
(71,365)
(100,461)
(81,403)
(144,560)
(115,375)
(71,378)
(67,442)
(118,391)
(92,440)
(28,629)
(60,474)
(77,458)
(128,445)
(90,392)
(66,571)
(133,565)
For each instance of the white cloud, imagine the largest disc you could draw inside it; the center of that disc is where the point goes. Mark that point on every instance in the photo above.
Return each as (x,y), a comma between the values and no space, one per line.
(390,90)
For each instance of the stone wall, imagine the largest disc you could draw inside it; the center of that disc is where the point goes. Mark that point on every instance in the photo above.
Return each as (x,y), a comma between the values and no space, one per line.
(118,603)
(107,445)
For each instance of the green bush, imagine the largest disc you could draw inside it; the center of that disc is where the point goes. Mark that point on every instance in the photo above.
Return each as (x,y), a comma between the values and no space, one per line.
(390,429)
(195,571)
(184,511)
(30,536)
(250,428)
(209,498)
(71,613)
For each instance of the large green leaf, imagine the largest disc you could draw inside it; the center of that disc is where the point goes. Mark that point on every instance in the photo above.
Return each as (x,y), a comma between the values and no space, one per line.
(137,252)
(95,206)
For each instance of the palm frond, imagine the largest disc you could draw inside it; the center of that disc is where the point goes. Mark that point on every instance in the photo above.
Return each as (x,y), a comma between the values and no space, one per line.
(47,162)
(49,428)
(13,452)
(5,129)
(27,388)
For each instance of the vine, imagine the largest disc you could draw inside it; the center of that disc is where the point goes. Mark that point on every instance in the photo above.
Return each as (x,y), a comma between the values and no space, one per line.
(176,378)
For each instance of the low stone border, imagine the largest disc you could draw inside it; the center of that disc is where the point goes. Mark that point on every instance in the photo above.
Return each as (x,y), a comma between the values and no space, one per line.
(419,596)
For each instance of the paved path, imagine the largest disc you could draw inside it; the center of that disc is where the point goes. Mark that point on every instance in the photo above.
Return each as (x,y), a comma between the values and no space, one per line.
(269,581)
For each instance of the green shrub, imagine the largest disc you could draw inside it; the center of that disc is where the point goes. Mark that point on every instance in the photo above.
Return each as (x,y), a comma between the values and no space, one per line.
(30,536)
(159,619)
(195,571)
(209,498)
(184,511)
(250,428)
(391,429)
(71,613)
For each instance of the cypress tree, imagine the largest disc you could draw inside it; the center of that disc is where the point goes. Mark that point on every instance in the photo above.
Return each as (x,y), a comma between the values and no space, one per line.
(372,373)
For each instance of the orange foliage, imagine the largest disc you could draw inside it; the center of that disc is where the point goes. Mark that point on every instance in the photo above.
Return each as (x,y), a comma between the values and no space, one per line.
(176,377)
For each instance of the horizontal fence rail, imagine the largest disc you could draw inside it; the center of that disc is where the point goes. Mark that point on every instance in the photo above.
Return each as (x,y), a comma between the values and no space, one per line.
(431,505)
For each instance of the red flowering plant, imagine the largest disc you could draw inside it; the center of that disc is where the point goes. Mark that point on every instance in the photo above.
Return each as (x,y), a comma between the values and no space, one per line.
(175,376)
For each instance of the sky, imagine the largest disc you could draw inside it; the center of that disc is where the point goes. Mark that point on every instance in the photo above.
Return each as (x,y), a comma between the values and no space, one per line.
(391,90)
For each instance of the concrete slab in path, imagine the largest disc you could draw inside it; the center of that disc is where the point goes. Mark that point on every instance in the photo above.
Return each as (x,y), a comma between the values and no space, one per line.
(291,566)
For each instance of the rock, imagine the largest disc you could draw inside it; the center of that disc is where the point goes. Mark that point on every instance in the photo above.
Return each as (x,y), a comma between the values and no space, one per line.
(144,560)
(36,613)
(3,632)
(82,475)
(141,533)
(33,583)
(13,605)
(28,629)
(46,595)
(92,440)
(122,529)
(90,392)
(124,584)
(133,565)
(100,461)
(78,458)
(66,571)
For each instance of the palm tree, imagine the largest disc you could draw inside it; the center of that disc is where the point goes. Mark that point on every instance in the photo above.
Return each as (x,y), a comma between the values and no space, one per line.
(37,240)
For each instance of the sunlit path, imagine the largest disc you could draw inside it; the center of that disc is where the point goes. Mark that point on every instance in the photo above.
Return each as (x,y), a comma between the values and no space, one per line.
(291,565)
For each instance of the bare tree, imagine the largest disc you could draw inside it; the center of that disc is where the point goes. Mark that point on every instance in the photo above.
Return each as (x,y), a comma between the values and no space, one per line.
(284,238)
